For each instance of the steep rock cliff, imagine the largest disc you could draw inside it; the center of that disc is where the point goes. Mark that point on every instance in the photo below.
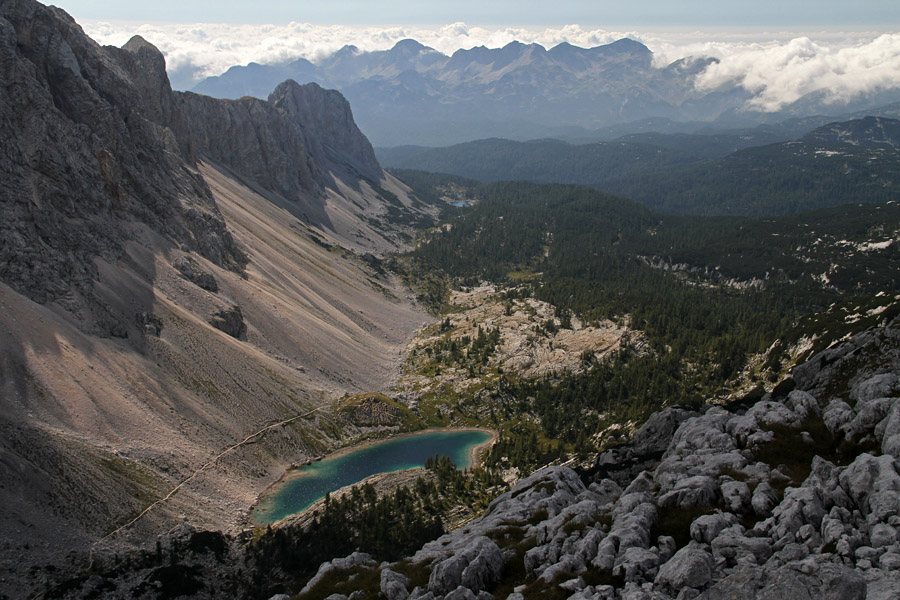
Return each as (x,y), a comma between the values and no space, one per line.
(86,157)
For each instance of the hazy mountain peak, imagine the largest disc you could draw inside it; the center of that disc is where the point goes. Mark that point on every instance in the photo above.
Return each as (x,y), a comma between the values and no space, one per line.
(626,45)
(348,50)
(410,46)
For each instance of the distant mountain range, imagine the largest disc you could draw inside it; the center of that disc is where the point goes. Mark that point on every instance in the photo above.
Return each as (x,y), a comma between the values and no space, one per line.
(850,161)
(413,94)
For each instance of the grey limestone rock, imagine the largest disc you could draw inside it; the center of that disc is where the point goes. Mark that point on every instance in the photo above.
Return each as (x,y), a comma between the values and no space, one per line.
(890,443)
(295,144)
(394,586)
(731,546)
(355,559)
(791,582)
(801,506)
(703,434)
(642,483)
(461,593)
(837,414)
(654,435)
(692,567)
(667,547)
(869,414)
(699,490)
(606,491)
(803,404)
(890,561)
(736,496)
(706,528)
(80,122)
(768,412)
(573,585)
(876,386)
(637,564)
(763,499)
(478,566)
(882,535)
(326,117)
(824,476)
(873,483)
(149,323)
(421,594)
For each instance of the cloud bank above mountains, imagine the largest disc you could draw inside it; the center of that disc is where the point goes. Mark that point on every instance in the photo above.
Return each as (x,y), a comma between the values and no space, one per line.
(777,67)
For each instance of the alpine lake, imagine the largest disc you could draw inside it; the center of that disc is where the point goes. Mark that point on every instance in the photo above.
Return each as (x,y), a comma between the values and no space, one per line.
(303,486)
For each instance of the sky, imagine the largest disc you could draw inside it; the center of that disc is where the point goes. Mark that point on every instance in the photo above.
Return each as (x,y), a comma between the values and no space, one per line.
(777,49)
(542,13)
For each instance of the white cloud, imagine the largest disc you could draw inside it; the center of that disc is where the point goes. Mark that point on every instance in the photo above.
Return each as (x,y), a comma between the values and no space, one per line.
(778,74)
(777,67)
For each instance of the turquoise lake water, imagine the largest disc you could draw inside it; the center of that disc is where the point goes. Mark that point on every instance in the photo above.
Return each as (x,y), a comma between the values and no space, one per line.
(303,486)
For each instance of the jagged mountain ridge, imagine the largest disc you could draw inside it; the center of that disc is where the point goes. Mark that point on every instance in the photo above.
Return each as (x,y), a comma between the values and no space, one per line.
(413,94)
(165,296)
(420,89)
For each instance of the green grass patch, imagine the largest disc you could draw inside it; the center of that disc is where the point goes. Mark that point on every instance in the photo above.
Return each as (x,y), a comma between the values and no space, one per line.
(539,516)
(347,581)
(514,573)
(418,573)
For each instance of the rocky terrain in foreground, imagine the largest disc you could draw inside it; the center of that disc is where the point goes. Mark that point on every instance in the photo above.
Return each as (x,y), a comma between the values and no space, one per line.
(796,495)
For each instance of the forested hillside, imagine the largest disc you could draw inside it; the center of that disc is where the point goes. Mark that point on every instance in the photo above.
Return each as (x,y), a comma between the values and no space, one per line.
(709,296)
(682,175)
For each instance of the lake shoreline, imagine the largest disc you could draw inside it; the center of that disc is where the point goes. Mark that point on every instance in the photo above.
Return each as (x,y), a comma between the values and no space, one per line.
(475,454)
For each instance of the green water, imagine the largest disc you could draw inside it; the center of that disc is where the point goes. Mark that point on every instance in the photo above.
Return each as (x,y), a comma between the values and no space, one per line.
(307,484)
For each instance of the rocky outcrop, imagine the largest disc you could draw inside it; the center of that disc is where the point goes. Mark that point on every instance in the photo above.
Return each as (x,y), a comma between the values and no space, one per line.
(743,503)
(231,321)
(96,144)
(193,272)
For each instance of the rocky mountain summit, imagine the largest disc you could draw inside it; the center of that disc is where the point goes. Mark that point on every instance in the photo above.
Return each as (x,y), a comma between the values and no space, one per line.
(794,495)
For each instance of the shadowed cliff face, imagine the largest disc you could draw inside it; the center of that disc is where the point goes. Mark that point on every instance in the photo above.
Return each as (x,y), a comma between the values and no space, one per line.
(86,156)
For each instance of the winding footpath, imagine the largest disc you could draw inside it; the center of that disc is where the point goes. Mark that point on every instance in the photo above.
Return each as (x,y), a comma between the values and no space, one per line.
(199,470)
